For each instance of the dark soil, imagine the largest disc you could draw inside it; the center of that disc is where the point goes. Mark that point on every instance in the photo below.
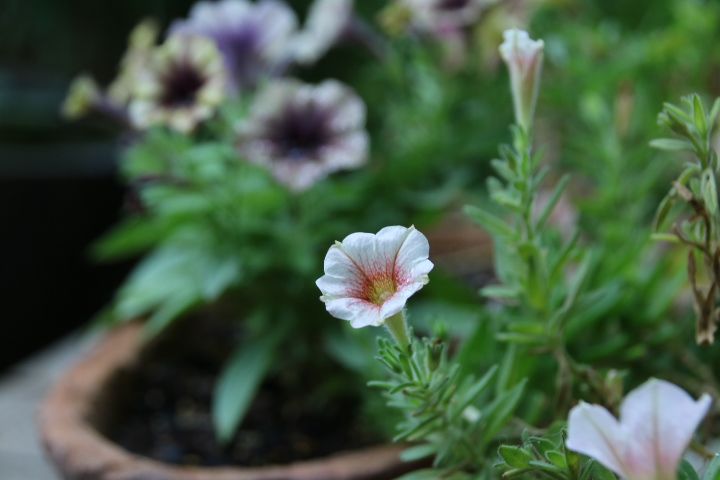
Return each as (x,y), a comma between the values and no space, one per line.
(165,412)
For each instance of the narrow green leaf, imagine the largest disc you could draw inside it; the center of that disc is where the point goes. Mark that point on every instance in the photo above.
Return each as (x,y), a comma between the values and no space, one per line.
(663,209)
(238,384)
(709,191)
(671,144)
(665,237)
(714,111)
(505,292)
(500,411)
(557,193)
(418,452)
(493,224)
(699,114)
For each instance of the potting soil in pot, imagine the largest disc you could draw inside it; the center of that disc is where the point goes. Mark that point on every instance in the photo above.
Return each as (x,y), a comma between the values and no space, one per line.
(164,412)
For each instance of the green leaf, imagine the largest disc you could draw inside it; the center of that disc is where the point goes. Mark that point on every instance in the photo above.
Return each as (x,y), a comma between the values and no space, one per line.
(556,458)
(599,472)
(686,471)
(557,193)
(712,471)
(714,111)
(665,237)
(499,412)
(469,395)
(493,224)
(515,457)
(665,206)
(505,292)
(699,114)
(709,191)
(671,144)
(240,380)
(129,238)
(418,452)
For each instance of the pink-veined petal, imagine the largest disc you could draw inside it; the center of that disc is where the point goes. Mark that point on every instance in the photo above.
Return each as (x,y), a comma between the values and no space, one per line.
(661,419)
(593,431)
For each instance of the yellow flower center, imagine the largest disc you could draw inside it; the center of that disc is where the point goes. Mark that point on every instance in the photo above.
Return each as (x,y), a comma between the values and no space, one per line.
(380,289)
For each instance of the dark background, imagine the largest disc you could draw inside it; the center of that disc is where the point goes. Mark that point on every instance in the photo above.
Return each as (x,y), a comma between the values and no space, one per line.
(58,190)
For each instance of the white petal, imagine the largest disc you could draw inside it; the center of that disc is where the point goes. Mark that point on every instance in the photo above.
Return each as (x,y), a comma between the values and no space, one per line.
(358,312)
(396,303)
(593,431)
(412,258)
(279,24)
(362,248)
(661,418)
(339,270)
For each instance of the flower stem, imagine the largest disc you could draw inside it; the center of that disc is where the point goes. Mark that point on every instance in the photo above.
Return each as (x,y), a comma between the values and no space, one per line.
(397,326)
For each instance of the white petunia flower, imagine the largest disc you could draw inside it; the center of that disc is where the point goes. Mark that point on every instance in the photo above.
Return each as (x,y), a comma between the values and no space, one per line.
(327,22)
(302,132)
(524,58)
(657,421)
(182,85)
(369,277)
(254,38)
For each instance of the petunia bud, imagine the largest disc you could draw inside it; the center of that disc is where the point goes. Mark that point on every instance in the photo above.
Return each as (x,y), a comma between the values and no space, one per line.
(524,58)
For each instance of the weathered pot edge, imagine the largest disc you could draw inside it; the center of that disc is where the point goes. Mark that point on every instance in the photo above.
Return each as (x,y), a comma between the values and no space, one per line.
(81,453)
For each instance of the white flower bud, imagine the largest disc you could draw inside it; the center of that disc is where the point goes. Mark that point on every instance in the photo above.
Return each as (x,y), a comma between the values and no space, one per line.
(524,58)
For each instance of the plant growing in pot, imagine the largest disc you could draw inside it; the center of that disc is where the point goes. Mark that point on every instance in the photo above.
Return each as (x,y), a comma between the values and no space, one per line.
(239,173)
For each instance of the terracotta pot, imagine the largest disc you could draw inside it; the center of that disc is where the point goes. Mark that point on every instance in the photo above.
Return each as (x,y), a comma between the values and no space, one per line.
(77,407)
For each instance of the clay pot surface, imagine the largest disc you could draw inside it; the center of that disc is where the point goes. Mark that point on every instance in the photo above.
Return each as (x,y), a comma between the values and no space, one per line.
(82,400)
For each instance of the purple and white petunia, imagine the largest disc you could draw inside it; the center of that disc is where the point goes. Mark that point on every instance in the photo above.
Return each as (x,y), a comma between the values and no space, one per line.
(254,38)
(524,58)
(369,277)
(302,133)
(182,85)
(657,421)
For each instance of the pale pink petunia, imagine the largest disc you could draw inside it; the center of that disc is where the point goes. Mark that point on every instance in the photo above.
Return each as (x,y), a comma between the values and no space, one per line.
(657,421)
(369,277)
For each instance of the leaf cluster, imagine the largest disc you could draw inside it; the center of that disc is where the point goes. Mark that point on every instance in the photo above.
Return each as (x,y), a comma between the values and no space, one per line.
(450,417)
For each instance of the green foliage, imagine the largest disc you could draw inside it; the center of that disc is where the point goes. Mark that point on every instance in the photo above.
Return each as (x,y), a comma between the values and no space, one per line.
(696,189)
(547,457)
(451,417)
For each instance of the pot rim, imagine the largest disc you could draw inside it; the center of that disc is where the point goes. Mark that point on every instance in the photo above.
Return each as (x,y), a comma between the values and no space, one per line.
(68,414)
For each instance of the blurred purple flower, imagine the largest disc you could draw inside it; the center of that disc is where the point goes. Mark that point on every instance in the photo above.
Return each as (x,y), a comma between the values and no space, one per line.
(253,38)
(304,132)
